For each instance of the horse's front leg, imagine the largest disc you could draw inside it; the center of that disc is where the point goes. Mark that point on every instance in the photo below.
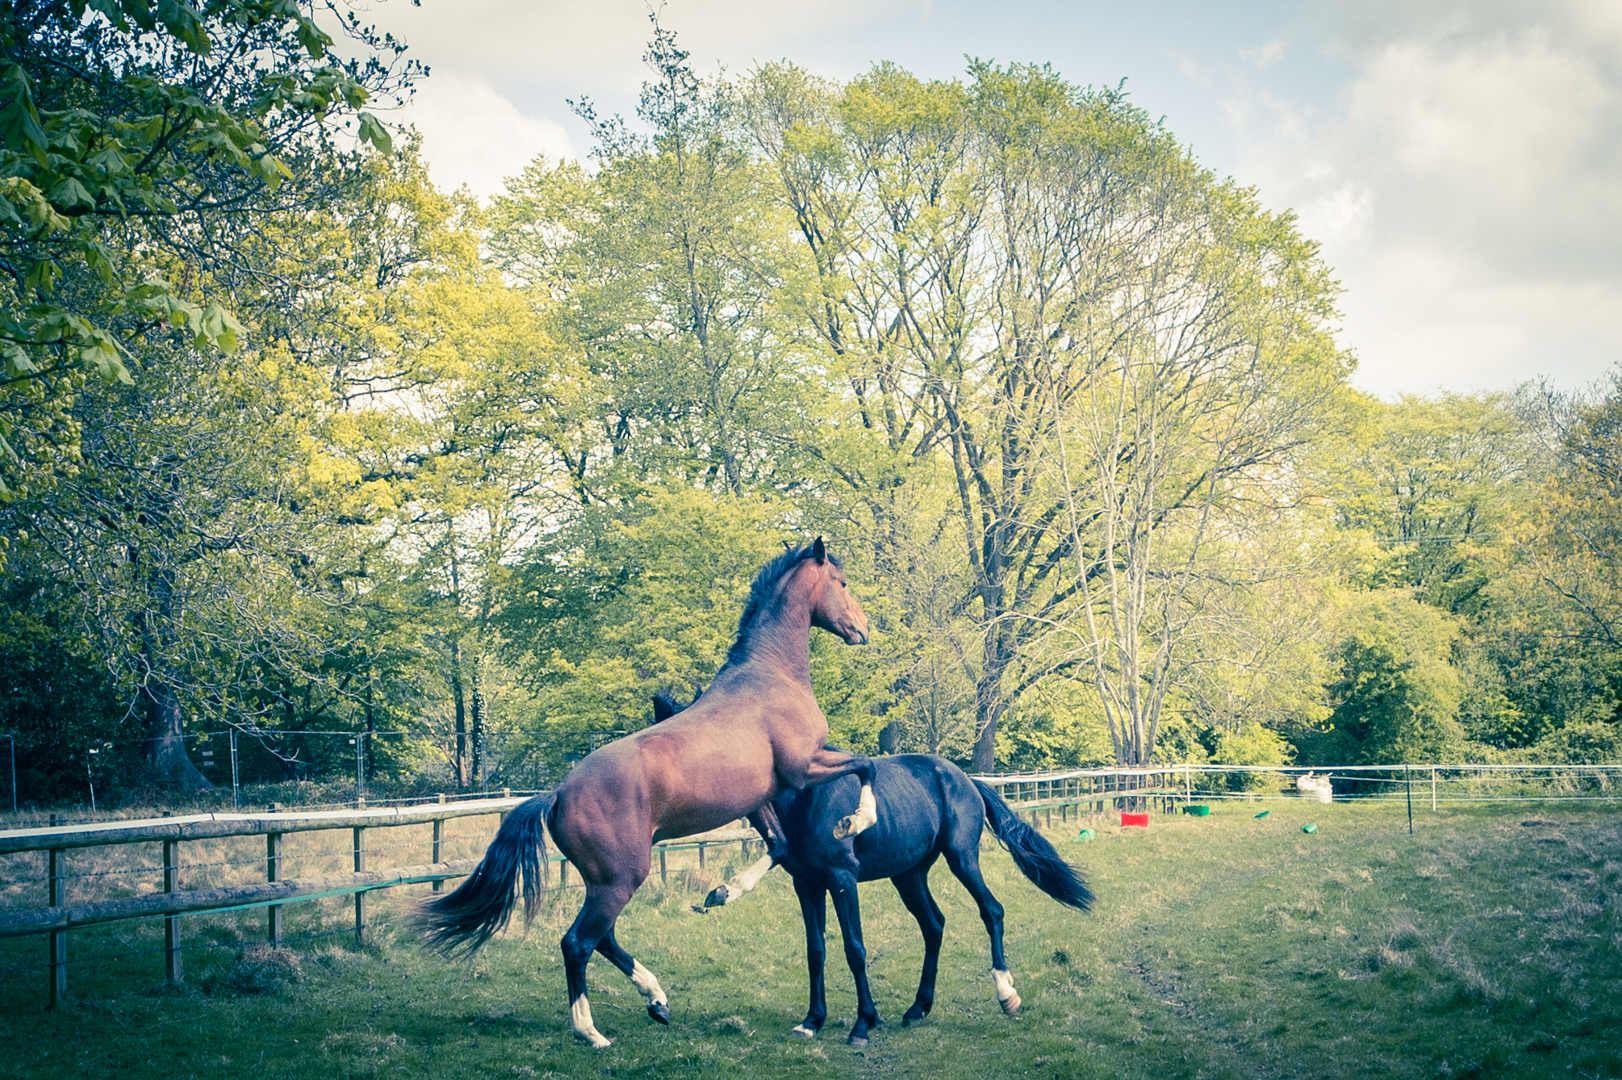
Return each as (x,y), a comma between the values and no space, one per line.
(814,913)
(829,764)
(849,910)
(770,829)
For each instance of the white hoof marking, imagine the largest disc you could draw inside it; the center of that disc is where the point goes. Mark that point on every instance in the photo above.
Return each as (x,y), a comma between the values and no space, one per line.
(647,984)
(865,817)
(1006,995)
(803,1032)
(580,1019)
(746,881)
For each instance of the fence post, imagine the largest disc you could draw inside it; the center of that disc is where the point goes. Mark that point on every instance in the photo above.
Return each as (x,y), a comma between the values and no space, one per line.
(360,897)
(664,874)
(273,872)
(174,965)
(1433,789)
(439,839)
(701,854)
(59,938)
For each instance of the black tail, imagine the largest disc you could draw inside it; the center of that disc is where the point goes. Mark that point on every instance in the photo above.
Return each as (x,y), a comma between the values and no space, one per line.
(465,918)
(1036,858)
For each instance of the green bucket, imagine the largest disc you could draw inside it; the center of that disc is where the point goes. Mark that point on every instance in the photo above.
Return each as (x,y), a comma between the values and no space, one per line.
(1085,834)
(1264,813)
(1198,811)
(1309,827)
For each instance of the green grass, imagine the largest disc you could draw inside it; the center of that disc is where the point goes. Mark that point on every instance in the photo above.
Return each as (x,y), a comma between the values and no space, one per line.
(1221,947)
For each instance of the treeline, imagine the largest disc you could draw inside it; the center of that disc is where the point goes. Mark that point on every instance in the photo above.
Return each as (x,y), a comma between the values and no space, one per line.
(296,442)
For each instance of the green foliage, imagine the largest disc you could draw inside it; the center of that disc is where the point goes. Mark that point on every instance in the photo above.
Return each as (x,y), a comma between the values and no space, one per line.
(124,129)
(289,438)
(1437,488)
(1397,697)
(1582,742)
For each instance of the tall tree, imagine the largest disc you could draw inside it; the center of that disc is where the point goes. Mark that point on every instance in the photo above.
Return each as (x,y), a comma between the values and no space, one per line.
(1112,350)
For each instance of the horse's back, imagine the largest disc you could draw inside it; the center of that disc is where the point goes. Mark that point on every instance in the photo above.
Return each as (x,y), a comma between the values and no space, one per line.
(698,770)
(918,798)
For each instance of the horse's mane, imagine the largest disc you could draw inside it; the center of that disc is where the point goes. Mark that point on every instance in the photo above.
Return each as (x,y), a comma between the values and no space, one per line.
(760,594)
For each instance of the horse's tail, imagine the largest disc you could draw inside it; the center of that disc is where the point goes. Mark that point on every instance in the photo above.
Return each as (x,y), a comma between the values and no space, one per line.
(465,918)
(1036,858)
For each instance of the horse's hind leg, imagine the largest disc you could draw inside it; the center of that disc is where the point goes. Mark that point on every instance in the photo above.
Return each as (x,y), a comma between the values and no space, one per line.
(965,863)
(914,889)
(595,921)
(646,982)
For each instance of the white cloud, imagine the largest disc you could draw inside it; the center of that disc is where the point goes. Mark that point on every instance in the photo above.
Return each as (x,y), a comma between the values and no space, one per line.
(473,135)
(1465,188)
(596,45)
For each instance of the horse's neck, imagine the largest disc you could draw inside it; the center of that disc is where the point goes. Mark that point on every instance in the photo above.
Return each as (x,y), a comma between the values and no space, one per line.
(780,638)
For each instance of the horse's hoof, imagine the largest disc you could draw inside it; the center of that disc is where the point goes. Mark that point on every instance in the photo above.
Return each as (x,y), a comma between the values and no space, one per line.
(660,1012)
(848,826)
(598,1042)
(857,1040)
(912,1017)
(1011,1005)
(718,896)
(800,1031)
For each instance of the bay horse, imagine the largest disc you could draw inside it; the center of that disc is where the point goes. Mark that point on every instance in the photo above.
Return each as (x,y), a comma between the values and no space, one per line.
(755,733)
(927,808)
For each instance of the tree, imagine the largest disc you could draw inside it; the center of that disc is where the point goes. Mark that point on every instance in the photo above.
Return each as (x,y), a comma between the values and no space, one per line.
(1112,350)
(1436,489)
(665,269)
(131,130)
(1556,598)
(1397,696)
(208,536)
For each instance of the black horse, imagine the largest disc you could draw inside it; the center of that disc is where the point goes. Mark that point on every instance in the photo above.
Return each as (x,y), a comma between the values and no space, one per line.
(927,809)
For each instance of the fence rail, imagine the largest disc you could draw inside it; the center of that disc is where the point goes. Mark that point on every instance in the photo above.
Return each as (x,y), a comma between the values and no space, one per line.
(1093,791)
(57,917)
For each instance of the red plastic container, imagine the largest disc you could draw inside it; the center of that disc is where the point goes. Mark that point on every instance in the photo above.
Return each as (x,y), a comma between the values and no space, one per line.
(1135,819)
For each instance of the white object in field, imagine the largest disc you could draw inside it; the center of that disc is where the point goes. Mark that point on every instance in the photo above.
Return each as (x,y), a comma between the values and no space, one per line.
(1316,788)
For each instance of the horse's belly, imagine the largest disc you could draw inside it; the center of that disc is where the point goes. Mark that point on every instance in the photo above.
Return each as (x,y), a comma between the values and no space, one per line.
(677,823)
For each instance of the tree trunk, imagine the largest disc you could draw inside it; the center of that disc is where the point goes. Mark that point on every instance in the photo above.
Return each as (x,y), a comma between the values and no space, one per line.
(459,757)
(166,738)
(988,710)
(477,772)
(164,722)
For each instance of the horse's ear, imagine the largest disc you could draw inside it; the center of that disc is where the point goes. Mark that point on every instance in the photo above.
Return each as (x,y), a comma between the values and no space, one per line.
(818,552)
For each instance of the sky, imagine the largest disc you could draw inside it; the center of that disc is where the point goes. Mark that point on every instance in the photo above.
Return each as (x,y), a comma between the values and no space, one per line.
(1459,161)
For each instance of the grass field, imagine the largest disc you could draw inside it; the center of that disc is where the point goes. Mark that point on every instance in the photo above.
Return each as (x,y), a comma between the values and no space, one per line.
(1486,944)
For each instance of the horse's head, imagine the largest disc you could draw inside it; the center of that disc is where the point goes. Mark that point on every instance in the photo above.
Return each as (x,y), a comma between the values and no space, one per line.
(833,606)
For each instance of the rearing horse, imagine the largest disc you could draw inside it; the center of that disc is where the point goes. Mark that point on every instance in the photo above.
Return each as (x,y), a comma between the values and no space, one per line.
(756,732)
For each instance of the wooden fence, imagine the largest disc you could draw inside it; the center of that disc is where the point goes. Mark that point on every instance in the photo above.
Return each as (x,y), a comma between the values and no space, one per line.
(1041,796)
(57,917)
